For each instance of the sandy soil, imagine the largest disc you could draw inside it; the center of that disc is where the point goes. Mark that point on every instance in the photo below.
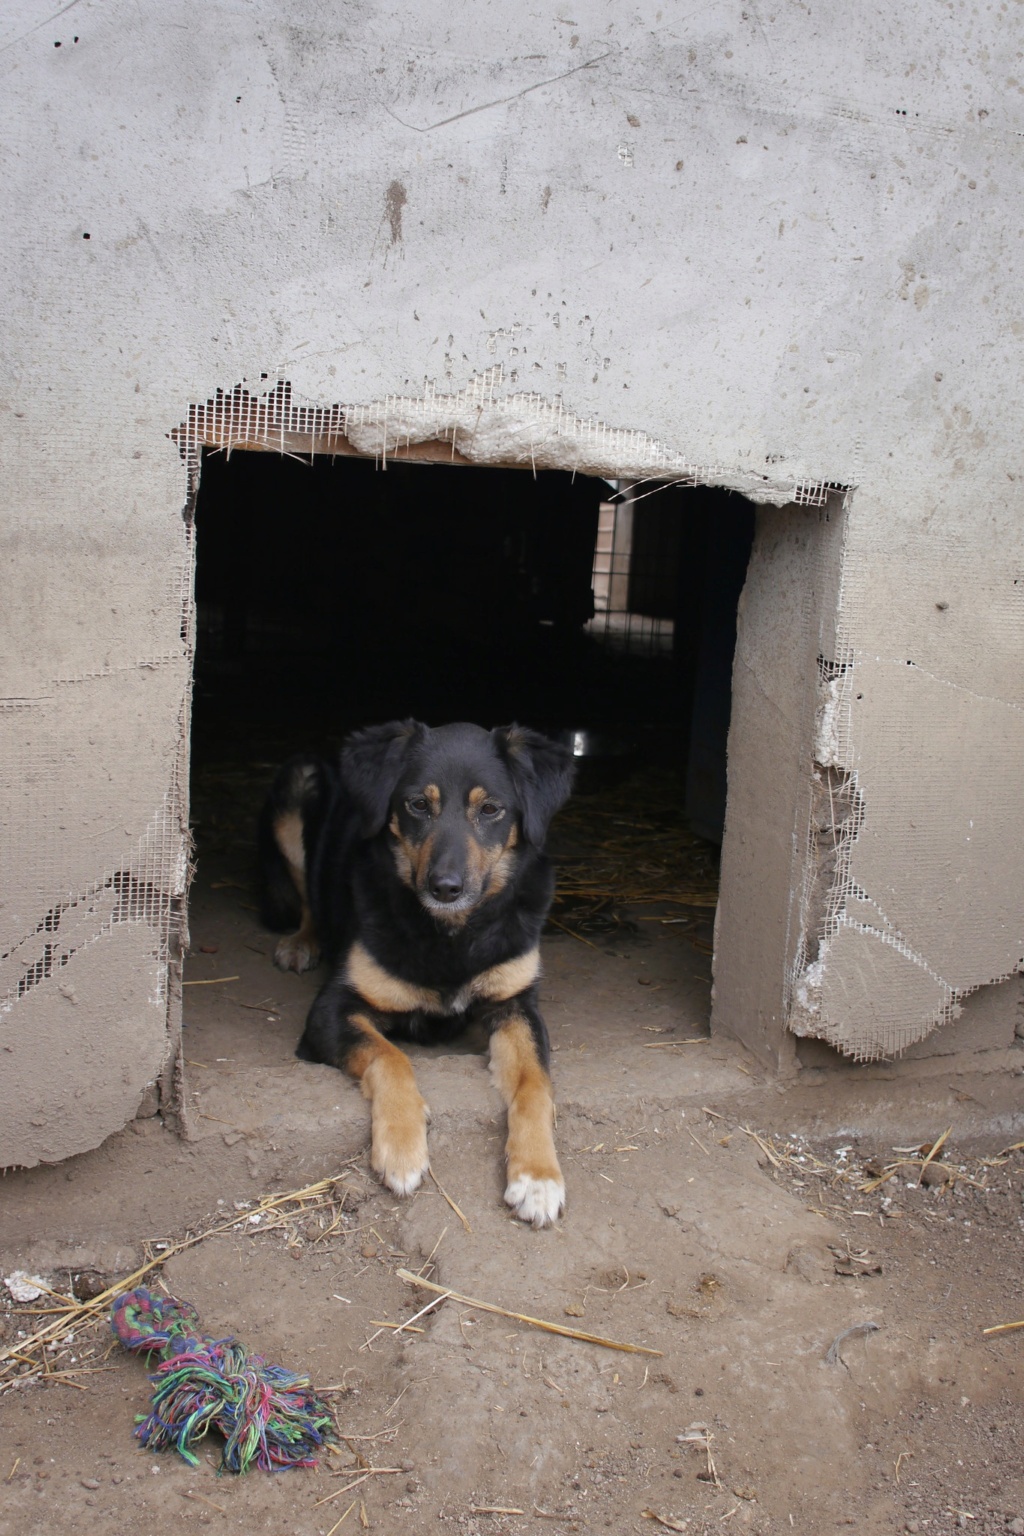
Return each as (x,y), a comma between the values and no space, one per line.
(681,1235)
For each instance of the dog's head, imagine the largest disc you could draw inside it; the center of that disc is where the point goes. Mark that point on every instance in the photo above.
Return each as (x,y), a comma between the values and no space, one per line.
(458,802)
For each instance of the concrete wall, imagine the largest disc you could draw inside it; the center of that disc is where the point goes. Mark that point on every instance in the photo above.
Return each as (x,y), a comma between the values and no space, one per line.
(768,247)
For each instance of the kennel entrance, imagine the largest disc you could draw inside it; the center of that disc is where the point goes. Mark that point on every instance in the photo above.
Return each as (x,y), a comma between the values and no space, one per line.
(487,604)
(335,593)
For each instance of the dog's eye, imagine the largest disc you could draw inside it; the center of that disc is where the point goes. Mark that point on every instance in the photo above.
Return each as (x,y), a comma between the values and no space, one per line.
(490,808)
(418,805)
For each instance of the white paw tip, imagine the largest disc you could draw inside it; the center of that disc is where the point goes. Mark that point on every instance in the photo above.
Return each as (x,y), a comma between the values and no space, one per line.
(538,1201)
(404,1183)
(403,1170)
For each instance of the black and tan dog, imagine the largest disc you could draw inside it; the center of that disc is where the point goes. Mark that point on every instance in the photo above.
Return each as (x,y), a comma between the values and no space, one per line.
(416,865)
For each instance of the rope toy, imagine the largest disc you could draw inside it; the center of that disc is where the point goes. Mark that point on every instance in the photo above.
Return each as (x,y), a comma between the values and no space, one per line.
(267,1415)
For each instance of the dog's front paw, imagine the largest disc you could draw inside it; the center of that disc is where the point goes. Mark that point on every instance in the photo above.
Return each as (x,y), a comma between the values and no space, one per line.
(296,952)
(538,1201)
(399,1152)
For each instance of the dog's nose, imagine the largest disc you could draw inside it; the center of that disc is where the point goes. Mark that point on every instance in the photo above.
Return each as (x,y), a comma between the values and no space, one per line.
(446,887)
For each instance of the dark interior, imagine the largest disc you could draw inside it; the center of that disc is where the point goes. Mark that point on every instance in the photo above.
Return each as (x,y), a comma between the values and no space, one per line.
(336,593)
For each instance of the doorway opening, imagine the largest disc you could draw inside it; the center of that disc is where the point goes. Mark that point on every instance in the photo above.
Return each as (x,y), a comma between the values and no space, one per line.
(333,593)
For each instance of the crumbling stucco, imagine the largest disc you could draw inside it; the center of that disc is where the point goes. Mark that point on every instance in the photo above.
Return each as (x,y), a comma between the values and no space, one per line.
(81,1047)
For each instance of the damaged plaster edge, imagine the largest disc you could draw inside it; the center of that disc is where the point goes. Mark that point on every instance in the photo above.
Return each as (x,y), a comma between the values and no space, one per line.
(45,935)
(832,721)
(177,658)
(805,1014)
(482,427)
(816,930)
(143,664)
(806,1021)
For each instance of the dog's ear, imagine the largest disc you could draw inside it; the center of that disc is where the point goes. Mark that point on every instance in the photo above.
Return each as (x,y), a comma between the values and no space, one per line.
(542,771)
(371,767)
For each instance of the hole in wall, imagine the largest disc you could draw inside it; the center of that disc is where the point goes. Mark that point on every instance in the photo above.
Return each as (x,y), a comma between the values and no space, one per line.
(332,593)
(682,645)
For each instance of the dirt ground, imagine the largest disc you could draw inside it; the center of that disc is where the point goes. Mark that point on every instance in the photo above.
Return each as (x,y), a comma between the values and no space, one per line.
(738,1258)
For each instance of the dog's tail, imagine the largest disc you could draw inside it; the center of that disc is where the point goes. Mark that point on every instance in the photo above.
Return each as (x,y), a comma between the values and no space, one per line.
(290,819)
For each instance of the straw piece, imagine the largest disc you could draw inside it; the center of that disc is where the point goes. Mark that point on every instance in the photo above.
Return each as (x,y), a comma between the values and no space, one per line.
(446,1196)
(201,1498)
(1003,1328)
(571,932)
(521,1317)
(97,1307)
(936,1149)
(659,1045)
(766,1146)
(370,1472)
(344,1517)
(665,1520)
(401,1327)
(211,981)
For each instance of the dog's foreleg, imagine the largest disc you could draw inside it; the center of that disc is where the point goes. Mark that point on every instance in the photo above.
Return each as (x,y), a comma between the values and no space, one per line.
(536,1189)
(398,1113)
(296,951)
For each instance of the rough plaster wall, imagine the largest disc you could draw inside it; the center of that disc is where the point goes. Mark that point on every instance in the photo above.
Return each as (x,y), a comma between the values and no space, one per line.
(86,1042)
(784,621)
(927,724)
(778,244)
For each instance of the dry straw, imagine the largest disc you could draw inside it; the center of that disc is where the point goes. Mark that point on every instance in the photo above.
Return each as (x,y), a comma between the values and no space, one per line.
(69,1314)
(445,1293)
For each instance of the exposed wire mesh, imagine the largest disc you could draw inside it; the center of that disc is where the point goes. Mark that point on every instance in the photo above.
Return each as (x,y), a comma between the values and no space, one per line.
(481,421)
(148,888)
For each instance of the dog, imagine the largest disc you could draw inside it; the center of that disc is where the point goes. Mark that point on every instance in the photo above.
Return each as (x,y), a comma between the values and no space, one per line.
(415,866)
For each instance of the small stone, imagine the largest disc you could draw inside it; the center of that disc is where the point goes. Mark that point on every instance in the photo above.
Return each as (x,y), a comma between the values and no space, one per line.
(89,1482)
(368,1251)
(1016,1526)
(912,1526)
(407,1466)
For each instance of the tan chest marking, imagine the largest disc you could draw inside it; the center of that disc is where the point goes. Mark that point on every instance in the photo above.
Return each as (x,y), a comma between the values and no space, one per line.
(390,994)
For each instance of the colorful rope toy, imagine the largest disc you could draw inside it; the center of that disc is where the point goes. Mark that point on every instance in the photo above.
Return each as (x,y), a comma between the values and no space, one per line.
(268,1416)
